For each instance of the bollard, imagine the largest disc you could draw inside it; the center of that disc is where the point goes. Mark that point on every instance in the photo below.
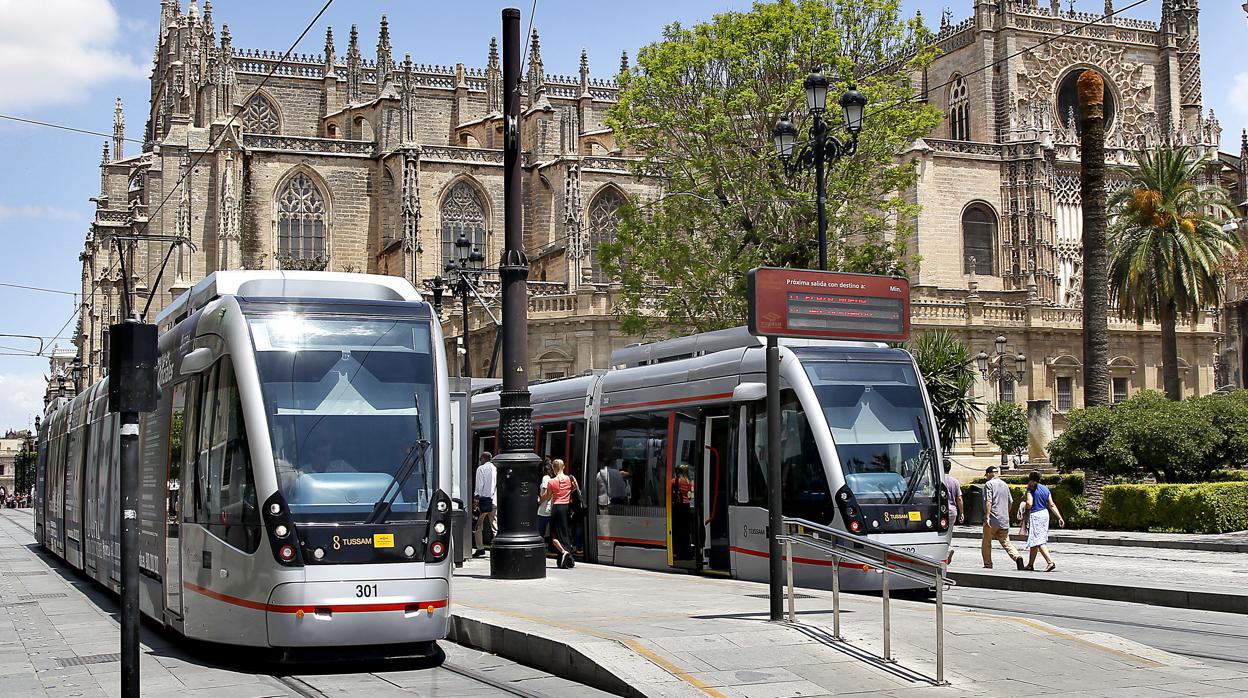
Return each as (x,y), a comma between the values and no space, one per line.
(940,630)
(788,566)
(888,645)
(836,597)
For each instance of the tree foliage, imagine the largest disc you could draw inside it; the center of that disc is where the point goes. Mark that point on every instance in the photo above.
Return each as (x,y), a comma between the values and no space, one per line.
(1007,426)
(1168,245)
(700,106)
(948,371)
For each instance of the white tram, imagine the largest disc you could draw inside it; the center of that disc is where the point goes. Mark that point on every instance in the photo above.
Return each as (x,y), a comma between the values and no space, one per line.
(669,448)
(293,476)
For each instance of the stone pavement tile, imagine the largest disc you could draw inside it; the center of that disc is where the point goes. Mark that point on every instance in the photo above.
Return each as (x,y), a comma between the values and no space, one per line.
(1196,688)
(780,689)
(839,679)
(758,657)
(744,677)
(687,642)
(204,677)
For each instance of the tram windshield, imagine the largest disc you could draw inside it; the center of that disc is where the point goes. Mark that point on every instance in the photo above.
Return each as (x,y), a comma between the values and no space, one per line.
(876,414)
(343,396)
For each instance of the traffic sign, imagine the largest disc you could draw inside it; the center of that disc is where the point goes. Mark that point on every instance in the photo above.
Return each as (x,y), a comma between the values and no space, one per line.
(828,305)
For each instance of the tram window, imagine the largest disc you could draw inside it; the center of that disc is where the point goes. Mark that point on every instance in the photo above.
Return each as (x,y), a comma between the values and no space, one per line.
(181,438)
(233,511)
(632,459)
(207,400)
(805,493)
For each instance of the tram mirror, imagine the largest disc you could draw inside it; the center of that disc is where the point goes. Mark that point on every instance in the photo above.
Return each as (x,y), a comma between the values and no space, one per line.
(196,361)
(747,392)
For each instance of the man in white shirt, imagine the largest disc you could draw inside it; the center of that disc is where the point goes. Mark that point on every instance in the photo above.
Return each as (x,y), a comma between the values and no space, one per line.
(485,488)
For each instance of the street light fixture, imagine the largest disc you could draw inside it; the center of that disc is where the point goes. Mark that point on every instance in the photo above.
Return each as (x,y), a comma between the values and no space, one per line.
(822,148)
(993,368)
(461,276)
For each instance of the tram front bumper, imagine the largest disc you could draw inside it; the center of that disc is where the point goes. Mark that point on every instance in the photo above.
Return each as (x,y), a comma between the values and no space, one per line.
(377,612)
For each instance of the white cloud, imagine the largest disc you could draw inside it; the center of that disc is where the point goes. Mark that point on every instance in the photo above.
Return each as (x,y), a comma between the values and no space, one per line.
(54,51)
(21,398)
(1239,93)
(26,211)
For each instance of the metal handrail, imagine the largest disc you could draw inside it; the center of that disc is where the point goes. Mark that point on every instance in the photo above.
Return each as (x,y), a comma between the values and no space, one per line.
(847,547)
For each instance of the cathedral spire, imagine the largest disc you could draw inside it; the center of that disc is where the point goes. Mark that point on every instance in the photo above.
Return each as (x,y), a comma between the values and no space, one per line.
(355,67)
(104,160)
(623,62)
(385,58)
(329,52)
(584,73)
(493,81)
(537,74)
(119,129)
(209,29)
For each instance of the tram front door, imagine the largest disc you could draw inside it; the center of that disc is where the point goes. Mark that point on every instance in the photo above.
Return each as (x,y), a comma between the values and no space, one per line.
(716,457)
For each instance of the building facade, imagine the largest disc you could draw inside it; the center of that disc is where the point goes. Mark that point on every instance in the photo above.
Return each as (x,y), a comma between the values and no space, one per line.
(352,164)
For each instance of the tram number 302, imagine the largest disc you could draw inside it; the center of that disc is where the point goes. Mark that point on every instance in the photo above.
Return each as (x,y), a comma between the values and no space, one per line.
(365,591)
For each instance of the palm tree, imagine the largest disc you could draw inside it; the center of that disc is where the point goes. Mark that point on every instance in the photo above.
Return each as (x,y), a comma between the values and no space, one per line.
(948,371)
(1166,244)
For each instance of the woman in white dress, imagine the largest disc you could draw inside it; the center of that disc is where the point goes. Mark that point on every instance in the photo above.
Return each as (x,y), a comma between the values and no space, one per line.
(1038,502)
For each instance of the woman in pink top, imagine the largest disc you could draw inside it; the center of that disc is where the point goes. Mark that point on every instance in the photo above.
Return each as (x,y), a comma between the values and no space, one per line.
(559,492)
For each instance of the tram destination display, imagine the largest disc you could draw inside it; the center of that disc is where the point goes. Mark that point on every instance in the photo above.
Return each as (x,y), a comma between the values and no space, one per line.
(828,305)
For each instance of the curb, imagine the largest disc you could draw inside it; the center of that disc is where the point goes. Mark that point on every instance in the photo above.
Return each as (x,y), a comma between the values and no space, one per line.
(538,652)
(1153,596)
(1055,537)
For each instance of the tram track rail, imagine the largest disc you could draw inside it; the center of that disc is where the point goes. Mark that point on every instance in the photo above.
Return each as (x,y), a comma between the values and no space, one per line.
(302,685)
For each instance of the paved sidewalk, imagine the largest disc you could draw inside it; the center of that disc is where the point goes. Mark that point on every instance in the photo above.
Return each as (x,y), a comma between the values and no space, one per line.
(658,634)
(1236,542)
(1195,579)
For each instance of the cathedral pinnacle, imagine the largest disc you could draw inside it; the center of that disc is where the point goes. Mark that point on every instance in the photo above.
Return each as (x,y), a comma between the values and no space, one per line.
(584,72)
(329,52)
(385,59)
(355,68)
(227,46)
(537,75)
(105,160)
(493,81)
(493,62)
(623,62)
(119,128)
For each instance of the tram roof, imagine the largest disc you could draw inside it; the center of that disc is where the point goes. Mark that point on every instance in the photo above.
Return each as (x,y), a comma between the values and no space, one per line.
(710,342)
(289,284)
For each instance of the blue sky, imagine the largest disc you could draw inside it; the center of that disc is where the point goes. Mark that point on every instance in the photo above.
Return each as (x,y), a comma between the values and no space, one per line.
(67,59)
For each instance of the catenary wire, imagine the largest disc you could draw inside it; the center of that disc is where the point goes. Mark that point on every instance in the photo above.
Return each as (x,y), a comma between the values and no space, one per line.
(37,288)
(63,127)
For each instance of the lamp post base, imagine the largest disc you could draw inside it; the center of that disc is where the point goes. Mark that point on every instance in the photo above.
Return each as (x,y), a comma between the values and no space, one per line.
(517,552)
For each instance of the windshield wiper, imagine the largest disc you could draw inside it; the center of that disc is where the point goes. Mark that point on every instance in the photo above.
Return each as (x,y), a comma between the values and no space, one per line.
(924,459)
(415,460)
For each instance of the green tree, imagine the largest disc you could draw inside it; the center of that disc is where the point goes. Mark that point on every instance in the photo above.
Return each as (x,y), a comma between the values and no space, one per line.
(700,106)
(24,470)
(948,371)
(1007,426)
(1167,243)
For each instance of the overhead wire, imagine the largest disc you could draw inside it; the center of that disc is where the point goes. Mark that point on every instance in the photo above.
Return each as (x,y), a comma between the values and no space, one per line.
(37,288)
(63,127)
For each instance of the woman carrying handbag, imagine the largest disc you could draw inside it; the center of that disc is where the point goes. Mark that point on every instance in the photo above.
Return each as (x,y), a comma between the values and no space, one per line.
(559,490)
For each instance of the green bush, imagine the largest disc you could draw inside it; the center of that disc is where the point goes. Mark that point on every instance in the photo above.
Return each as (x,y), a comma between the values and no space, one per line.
(1215,507)
(1007,426)
(1091,442)
(1228,476)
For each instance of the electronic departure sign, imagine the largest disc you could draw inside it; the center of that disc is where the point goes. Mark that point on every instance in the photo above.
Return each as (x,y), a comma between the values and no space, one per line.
(828,305)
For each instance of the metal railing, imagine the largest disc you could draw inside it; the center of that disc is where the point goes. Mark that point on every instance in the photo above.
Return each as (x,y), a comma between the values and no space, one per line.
(858,550)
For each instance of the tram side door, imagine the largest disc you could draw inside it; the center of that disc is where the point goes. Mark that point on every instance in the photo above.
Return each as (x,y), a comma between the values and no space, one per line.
(684,482)
(182,446)
(717,455)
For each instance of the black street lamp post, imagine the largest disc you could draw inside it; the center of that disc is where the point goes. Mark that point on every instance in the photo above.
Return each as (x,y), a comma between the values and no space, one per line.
(993,368)
(822,148)
(462,274)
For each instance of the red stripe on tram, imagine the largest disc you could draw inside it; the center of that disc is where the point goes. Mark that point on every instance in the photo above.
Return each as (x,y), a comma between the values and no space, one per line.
(801,560)
(313,608)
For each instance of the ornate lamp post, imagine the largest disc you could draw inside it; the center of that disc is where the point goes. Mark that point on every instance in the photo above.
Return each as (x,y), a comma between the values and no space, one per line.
(822,148)
(462,274)
(993,368)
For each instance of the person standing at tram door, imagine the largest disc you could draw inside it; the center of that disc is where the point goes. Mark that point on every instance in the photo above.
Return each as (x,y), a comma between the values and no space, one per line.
(559,492)
(543,502)
(1037,503)
(682,513)
(485,488)
(997,519)
(953,488)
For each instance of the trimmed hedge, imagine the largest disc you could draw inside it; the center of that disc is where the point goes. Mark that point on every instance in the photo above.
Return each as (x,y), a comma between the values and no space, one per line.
(1073,482)
(1214,507)
(1069,501)
(1229,476)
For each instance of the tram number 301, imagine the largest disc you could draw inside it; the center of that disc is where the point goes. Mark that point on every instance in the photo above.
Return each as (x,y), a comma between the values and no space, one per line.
(365,591)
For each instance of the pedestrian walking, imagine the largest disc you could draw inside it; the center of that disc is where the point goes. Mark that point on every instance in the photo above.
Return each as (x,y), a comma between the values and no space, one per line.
(543,502)
(953,489)
(1038,502)
(485,489)
(997,519)
(559,492)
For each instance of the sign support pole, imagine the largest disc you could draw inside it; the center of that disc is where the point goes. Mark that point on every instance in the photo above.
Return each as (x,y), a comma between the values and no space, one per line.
(774,514)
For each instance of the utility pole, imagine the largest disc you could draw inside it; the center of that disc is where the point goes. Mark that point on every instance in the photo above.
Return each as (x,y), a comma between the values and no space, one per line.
(517,551)
(131,390)
(1091,89)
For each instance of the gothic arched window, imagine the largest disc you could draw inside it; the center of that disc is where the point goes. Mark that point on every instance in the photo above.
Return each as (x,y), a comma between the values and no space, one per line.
(1068,101)
(462,210)
(960,110)
(301,219)
(260,115)
(979,234)
(604,223)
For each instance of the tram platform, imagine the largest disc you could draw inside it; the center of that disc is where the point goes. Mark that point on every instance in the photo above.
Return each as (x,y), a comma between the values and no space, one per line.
(641,633)
(1194,577)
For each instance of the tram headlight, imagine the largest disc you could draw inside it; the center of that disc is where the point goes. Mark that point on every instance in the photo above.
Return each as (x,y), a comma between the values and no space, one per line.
(319,553)
(409,551)
(855,526)
(844,496)
(439,528)
(441,505)
(944,522)
(280,531)
(275,508)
